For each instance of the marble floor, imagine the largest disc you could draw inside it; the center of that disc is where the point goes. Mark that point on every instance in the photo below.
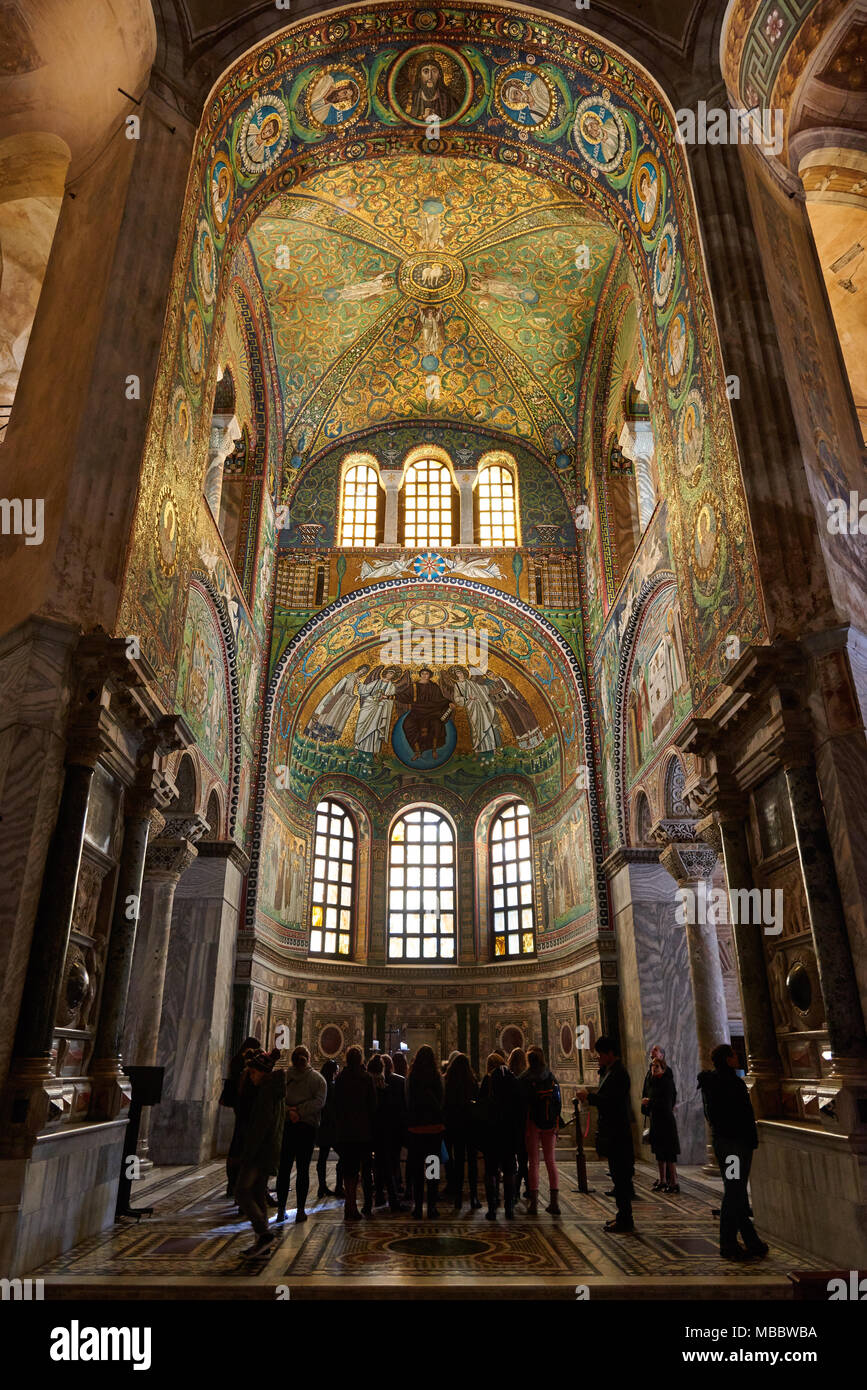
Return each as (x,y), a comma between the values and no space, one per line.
(191,1248)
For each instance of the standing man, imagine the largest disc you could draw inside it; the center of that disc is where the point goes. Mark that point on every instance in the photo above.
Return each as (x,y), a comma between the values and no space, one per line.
(729,1113)
(614,1130)
(260,1154)
(306,1092)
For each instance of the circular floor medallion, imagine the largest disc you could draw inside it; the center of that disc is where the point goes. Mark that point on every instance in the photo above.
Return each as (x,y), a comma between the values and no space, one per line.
(444,1246)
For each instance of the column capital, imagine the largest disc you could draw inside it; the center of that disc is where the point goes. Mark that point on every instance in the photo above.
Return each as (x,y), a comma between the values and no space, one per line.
(391,479)
(167,859)
(185,825)
(686,857)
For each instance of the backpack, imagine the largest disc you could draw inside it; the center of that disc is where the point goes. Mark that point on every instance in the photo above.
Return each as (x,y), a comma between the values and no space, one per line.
(545,1102)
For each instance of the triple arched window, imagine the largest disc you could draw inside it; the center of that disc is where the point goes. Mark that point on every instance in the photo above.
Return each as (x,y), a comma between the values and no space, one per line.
(424,508)
(421,886)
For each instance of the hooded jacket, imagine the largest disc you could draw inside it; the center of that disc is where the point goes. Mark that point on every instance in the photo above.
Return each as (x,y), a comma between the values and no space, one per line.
(728,1107)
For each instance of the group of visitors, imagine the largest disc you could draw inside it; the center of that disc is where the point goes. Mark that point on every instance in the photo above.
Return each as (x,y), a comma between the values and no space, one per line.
(443,1117)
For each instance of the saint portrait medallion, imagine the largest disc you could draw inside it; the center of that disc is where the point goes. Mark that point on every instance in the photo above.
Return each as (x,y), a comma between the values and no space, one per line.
(264,133)
(336,98)
(430,81)
(525,98)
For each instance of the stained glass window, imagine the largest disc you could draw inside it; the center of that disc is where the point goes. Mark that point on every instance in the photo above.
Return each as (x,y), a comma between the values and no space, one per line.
(511,874)
(360,504)
(332,907)
(427,503)
(497,522)
(422,917)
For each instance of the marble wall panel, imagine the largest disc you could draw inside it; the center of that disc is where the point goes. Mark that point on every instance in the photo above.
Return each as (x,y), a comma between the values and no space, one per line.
(65,1192)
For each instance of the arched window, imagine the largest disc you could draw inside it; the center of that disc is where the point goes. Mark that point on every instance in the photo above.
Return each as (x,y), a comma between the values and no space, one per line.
(643,820)
(421,887)
(511,877)
(498,524)
(428,505)
(332,906)
(675,781)
(359,523)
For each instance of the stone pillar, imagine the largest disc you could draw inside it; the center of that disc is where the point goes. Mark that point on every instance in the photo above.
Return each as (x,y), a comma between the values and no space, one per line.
(793,580)
(830,939)
(391,481)
(110,1087)
(25,1103)
(225,433)
(691,864)
(655,992)
(196,1003)
(728,838)
(166,860)
(466,478)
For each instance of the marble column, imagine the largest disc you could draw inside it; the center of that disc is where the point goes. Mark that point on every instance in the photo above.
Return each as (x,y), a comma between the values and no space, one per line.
(843,1011)
(195,1018)
(391,481)
(110,1087)
(165,861)
(225,433)
(466,478)
(728,838)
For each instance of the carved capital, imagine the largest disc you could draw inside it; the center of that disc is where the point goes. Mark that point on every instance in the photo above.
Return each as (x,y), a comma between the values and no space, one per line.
(167,859)
(710,831)
(689,863)
(184,825)
(673,831)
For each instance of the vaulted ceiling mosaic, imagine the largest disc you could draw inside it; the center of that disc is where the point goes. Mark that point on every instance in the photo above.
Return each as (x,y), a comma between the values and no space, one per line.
(411,287)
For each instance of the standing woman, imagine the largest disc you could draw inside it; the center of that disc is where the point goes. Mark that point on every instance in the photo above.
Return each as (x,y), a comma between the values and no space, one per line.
(328,1133)
(461,1096)
(355,1103)
(517,1065)
(239,1098)
(659,1104)
(542,1106)
(424,1099)
(499,1109)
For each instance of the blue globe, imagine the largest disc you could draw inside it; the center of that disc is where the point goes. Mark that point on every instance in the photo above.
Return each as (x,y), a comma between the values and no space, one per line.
(428,760)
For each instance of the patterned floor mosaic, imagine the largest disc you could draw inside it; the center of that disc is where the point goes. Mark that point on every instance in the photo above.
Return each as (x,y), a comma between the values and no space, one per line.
(192,1247)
